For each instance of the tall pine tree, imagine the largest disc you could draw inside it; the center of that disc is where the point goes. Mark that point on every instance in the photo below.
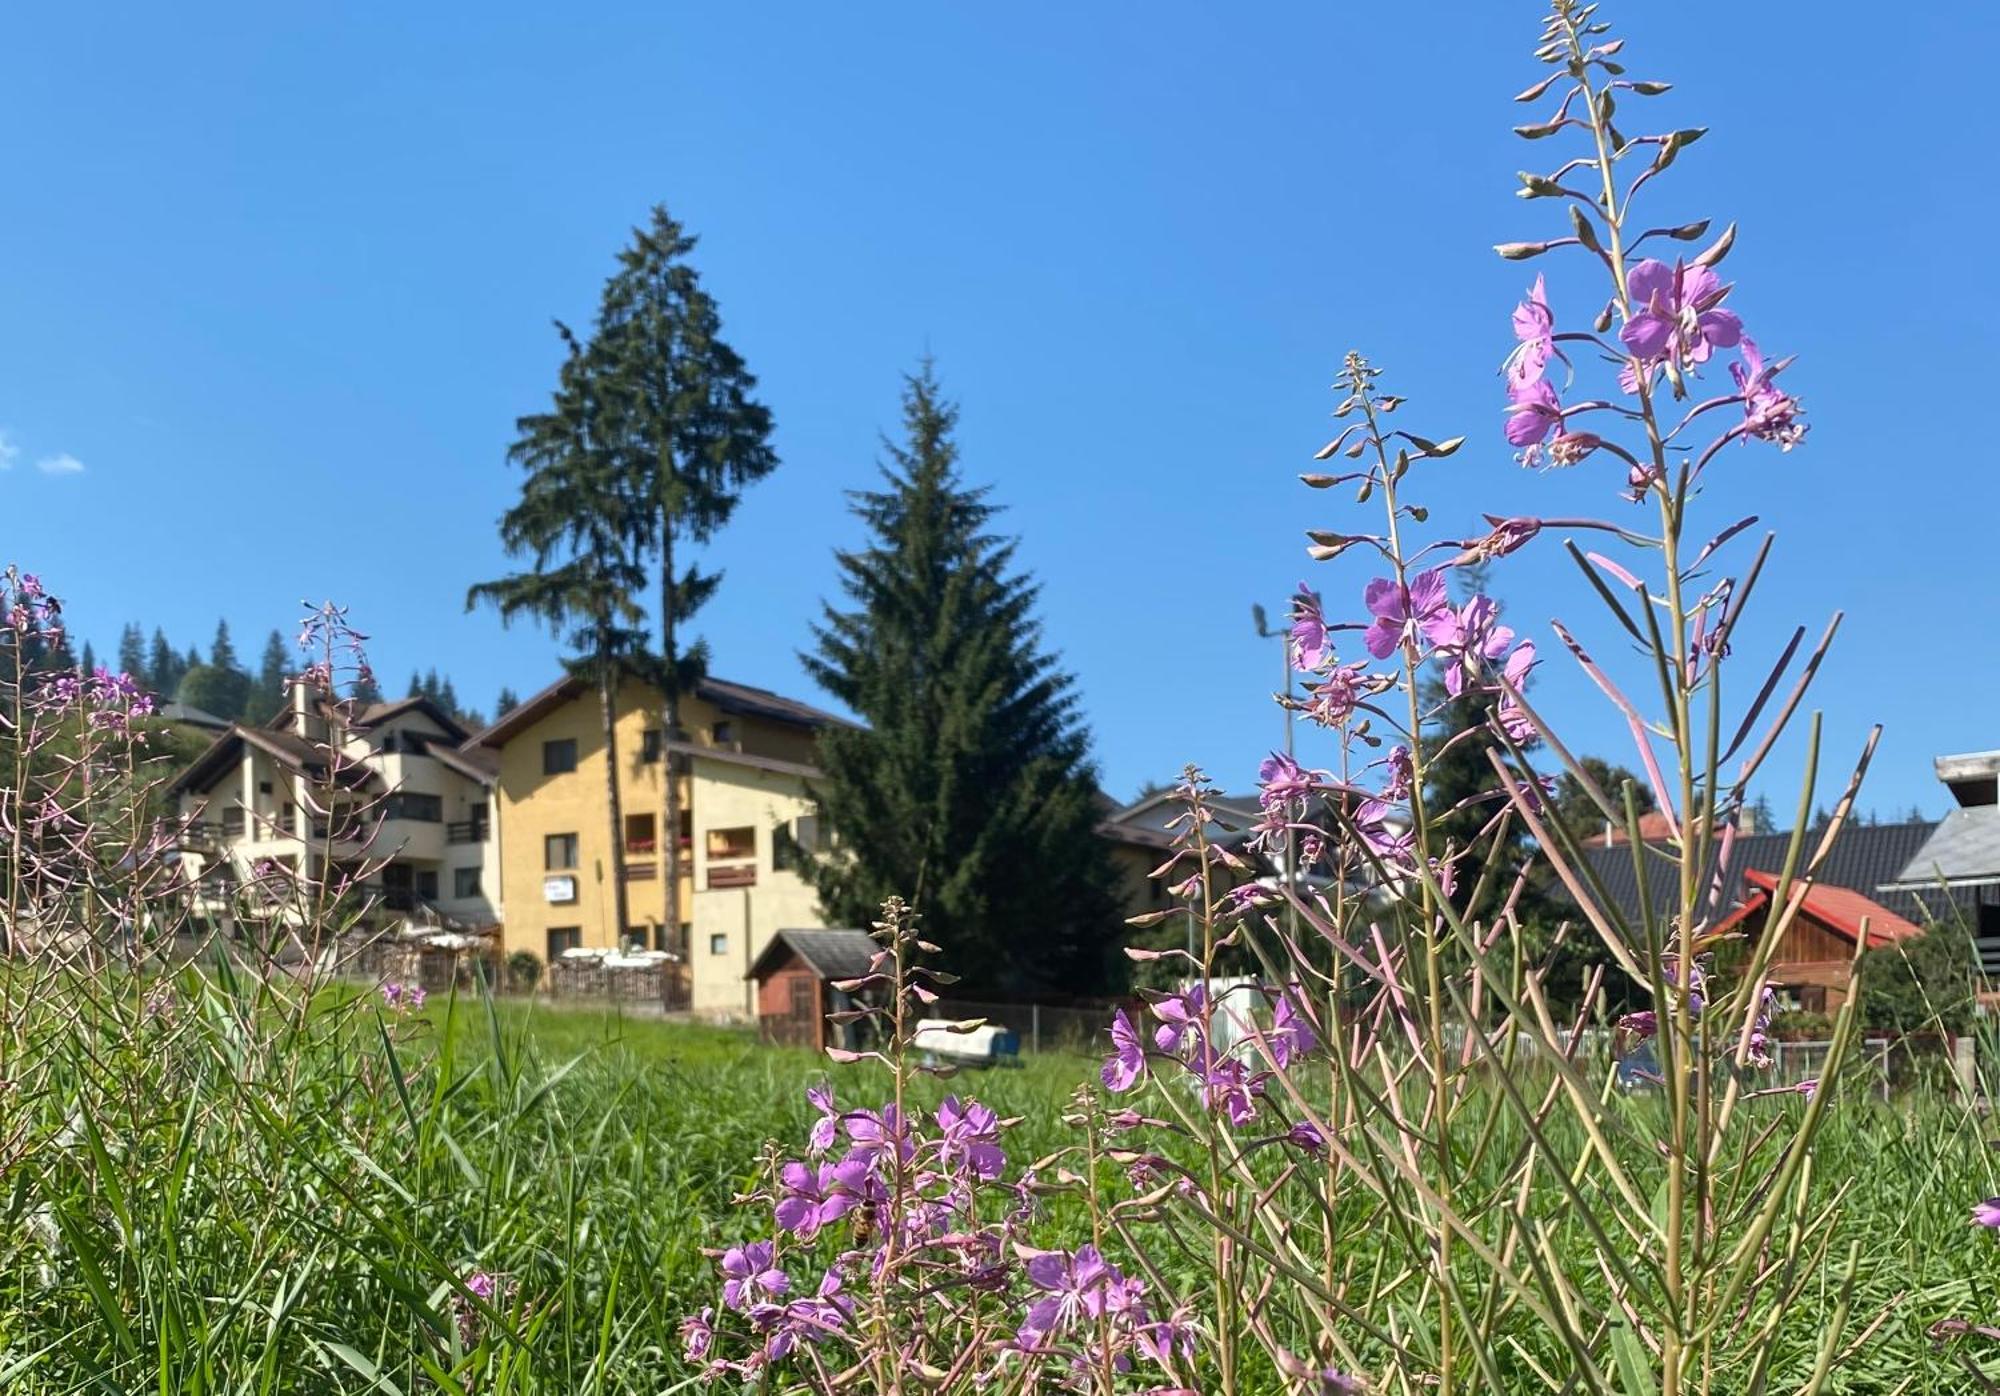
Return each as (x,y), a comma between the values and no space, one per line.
(688,436)
(164,668)
(132,653)
(269,694)
(576,521)
(970,791)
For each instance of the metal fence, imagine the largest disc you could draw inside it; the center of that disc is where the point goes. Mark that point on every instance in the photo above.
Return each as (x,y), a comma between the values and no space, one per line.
(1040,1027)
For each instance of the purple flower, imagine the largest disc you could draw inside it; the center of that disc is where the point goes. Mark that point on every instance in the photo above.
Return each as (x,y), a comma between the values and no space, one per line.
(392,995)
(1171,1335)
(1534,327)
(1392,841)
(1282,781)
(1401,772)
(1768,414)
(1126,1066)
(698,1334)
(1987,1213)
(1306,1136)
(873,1135)
(1291,1035)
(810,1198)
(1400,611)
(1332,700)
(1533,411)
(1229,1086)
(1679,313)
(826,1128)
(1179,1016)
(970,1138)
(750,1271)
(1808,1087)
(1467,639)
(1082,1285)
(1513,719)
(1308,635)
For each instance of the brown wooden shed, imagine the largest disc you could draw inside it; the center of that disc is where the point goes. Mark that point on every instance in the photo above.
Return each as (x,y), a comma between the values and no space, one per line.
(795,975)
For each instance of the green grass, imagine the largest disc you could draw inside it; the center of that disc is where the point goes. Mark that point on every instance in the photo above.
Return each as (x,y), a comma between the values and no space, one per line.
(243,1200)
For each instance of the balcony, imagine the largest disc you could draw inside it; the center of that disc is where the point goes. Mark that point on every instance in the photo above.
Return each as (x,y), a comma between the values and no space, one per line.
(202,833)
(466,831)
(642,872)
(232,823)
(732,875)
(641,848)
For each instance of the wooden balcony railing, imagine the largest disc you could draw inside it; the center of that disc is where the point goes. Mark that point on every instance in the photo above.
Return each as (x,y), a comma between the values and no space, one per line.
(466,831)
(642,872)
(732,874)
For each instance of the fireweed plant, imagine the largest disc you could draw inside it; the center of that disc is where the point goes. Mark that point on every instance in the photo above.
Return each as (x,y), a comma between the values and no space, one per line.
(175,1054)
(1395,1167)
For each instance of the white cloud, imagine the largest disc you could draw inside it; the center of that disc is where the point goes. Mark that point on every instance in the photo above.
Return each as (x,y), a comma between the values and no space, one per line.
(63,464)
(8,450)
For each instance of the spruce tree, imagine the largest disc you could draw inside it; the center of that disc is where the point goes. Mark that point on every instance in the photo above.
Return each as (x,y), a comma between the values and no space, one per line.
(269,694)
(416,685)
(365,691)
(505,703)
(163,669)
(132,653)
(970,791)
(688,437)
(222,654)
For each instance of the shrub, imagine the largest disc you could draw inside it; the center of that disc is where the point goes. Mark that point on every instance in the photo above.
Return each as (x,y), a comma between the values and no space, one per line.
(1930,982)
(524,971)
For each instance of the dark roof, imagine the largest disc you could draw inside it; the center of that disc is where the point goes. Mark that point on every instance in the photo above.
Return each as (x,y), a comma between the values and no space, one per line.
(1865,858)
(478,763)
(829,954)
(191,716)
(739,698)
(728,757)
(375,714)
(1963,849)
(289,749)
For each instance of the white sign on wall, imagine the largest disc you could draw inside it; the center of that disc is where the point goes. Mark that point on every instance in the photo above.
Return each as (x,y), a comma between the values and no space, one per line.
(559,889)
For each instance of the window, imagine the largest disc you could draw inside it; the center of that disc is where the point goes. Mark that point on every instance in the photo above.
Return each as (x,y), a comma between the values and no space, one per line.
(651,743)
(232,822)
(559,852)
(428,809)
(732,845)
(718,944)
(722,733)
(639,834)
(427,884)
(563,938)
(464,882)
(558,756)
(263,787)
(635,939)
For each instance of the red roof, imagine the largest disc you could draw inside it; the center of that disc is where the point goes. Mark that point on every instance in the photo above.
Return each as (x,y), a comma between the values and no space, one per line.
(1839,909)
(1654,827)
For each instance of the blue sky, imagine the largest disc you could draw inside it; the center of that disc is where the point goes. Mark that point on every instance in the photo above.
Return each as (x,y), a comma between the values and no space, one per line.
(279,279)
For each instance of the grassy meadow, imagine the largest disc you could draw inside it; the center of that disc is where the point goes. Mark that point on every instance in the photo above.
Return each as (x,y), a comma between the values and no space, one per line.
(230,1192)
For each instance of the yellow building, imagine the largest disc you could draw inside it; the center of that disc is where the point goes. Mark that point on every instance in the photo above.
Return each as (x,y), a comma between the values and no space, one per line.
(743,757)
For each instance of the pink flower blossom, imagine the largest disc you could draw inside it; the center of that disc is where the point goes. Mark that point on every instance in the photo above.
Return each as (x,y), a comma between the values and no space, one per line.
(1534,327)
(1126,1066)
(1678,313)
(1400,612)
(1768,413)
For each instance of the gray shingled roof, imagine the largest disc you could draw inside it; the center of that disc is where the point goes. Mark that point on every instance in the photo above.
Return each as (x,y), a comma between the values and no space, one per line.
(1865,858)
(832,954)
(1964,848)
